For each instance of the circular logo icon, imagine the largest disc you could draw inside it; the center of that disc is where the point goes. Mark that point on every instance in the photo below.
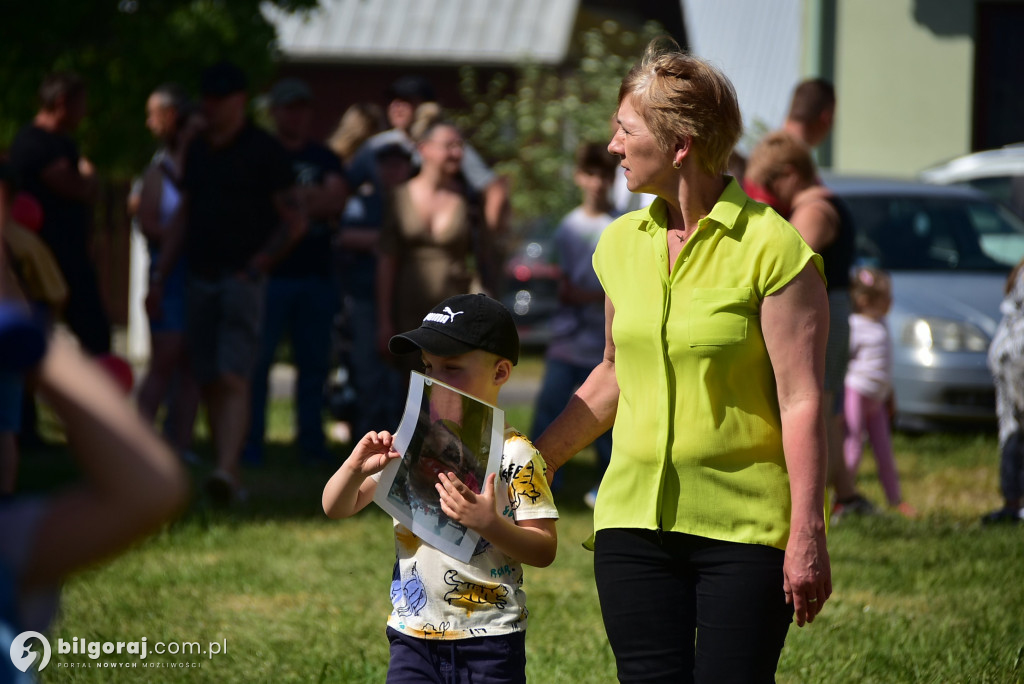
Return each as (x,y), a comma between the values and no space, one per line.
(24,657)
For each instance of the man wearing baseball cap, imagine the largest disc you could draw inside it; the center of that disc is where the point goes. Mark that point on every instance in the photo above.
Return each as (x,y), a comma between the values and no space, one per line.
(301,297)
(470,343)
(238,216)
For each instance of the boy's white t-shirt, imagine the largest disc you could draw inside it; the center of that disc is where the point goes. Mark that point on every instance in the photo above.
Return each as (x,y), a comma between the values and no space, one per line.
(435,596)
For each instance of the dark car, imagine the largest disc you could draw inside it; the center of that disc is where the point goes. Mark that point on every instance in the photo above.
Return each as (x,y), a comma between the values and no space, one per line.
(531,289)
(949,250)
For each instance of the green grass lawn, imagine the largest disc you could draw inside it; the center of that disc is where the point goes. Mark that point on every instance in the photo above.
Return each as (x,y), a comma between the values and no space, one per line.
(298,598)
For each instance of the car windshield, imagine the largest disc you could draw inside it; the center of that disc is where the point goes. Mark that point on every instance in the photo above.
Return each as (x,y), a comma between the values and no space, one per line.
(915,233)
(1008,190)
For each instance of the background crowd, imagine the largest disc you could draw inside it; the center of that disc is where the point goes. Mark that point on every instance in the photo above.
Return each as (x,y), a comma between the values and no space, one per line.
(259,235)
(256,236)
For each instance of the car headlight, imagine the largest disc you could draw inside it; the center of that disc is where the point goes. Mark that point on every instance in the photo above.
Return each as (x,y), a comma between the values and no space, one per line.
(943,334)
(522,305)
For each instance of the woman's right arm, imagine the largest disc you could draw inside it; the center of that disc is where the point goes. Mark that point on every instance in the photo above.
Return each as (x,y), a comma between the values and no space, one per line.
(386,274)
(589,413)
(388,247)
(149,205)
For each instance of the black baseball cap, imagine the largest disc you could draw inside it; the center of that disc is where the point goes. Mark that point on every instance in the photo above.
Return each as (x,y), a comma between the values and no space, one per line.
(461,324)
(411,88)
(222,79)
(290,91)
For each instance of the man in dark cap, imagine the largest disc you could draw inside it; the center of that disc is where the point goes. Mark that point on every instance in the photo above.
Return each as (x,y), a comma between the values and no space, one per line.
(404,96)
(301,297)
(238,216)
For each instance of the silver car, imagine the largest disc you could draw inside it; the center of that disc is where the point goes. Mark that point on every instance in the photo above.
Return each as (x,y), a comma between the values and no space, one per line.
(949,251)
(999,172)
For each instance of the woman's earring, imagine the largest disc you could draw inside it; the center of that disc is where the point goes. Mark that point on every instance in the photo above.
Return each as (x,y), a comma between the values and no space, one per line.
(677,164)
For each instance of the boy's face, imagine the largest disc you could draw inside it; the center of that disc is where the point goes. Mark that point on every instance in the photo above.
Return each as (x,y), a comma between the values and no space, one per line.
(291,121)
(401,113)
(595,184)
(474,373)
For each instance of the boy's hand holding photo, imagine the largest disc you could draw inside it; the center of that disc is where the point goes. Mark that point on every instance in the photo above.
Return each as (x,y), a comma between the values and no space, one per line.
(460,503)
(372,453)
(533,542)
(351,488)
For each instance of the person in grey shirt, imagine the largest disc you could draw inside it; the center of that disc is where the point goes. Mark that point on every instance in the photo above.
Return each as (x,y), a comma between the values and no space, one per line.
(578,333)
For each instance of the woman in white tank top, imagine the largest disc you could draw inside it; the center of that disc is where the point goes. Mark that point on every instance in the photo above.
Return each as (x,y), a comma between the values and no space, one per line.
(169,378)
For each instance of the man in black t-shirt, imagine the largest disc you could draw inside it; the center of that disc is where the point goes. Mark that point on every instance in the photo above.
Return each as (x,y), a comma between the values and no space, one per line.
(301,294)
(238,216)
(49,167)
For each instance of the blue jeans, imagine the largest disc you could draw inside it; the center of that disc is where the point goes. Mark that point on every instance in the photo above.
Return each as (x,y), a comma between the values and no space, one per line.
(561,379)
(378,384)
(304,307)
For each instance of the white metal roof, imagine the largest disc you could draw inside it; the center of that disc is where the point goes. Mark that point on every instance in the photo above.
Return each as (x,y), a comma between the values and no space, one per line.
(757,45)
(481,32)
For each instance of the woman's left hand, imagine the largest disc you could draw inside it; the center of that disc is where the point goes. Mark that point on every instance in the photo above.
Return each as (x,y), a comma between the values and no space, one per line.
(794,322)
(807,573)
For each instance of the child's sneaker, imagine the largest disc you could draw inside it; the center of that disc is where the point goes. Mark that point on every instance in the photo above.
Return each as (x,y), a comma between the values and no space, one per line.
(906,510)
(222,490)
(855,505)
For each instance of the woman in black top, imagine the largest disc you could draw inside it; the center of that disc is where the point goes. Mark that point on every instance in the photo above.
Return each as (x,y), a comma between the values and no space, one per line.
(783,165)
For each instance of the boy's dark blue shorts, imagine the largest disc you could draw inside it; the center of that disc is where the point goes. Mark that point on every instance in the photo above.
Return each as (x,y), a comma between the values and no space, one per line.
(478,660)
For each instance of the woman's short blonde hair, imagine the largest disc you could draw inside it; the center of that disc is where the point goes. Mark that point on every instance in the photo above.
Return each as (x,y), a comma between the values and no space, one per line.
(774,153)
(357,125)
(681,96)
(427,118)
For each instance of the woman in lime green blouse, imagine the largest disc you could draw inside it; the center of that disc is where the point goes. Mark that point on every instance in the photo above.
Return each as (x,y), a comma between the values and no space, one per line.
(710,530)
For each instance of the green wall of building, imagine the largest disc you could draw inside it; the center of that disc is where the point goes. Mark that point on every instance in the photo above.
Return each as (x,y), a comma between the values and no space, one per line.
(903,75)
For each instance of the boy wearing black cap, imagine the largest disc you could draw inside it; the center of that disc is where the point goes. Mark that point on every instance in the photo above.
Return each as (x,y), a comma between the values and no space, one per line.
(464,621)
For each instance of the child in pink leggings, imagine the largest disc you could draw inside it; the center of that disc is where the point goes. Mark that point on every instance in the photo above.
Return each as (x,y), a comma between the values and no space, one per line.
(869,382)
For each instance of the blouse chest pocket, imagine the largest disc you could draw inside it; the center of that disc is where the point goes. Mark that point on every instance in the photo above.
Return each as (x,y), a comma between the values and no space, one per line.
(720,316)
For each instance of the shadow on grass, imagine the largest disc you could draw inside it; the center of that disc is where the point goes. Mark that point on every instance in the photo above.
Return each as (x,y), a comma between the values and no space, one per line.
(283,488)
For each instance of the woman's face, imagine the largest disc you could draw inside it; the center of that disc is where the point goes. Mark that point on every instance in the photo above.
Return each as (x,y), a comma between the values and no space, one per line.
(648,167)
(444,149)
(160,118)
(785,186)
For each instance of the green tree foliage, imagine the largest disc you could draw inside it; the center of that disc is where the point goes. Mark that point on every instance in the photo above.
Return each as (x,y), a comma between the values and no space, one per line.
(123,49)
(532,125)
